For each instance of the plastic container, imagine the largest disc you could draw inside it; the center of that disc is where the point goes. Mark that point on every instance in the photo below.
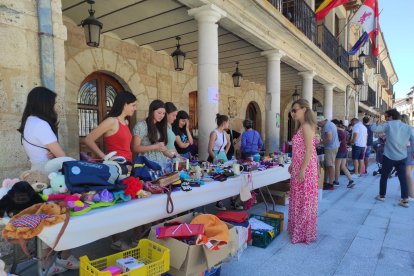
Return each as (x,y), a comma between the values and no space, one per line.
(156,258)
(262,238)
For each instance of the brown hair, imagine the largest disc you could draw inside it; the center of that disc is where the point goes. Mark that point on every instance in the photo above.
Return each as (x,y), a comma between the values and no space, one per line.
(309,116)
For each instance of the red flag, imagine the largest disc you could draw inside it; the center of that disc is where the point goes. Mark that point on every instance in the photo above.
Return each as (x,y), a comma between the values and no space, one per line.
(326,7)
(367,17)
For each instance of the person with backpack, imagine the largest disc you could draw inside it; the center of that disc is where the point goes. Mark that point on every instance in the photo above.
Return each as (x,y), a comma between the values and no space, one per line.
(39,135)
(115,128)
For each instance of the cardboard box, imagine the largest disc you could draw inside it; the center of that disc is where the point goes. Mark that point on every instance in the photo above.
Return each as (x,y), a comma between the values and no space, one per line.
(194,259)
(281,198)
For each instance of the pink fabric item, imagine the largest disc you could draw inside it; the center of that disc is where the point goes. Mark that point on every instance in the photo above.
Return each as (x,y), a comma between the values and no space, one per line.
(303,198)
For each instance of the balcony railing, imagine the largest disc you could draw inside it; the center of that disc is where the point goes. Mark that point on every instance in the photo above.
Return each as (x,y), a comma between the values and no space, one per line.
(383,74)
(370,60)
(356,71)
(303,17)
(368,96)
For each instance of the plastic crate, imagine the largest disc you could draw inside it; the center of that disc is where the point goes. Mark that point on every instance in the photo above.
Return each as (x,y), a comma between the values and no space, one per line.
(156,258)
(262,238)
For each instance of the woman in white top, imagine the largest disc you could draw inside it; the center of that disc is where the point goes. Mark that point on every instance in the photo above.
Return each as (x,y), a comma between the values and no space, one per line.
(39,128)
(218,145)
(39,132)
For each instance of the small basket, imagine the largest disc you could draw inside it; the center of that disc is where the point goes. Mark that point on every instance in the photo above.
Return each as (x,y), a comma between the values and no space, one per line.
(156,258)
(262,238)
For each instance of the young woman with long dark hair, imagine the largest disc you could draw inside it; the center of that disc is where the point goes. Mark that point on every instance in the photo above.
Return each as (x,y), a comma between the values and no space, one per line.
(171,111)
(150,136)
(39,128)
(183,138)
(39,134)
(115,129)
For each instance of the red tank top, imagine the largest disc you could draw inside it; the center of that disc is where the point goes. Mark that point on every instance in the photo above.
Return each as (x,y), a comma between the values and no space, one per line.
(120,142)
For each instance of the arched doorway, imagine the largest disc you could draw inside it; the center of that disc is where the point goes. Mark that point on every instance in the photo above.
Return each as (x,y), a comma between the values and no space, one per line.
(253,113)
(95,99)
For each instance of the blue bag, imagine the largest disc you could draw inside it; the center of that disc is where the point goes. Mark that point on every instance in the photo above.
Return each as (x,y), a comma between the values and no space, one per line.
(81,176)
(146,169)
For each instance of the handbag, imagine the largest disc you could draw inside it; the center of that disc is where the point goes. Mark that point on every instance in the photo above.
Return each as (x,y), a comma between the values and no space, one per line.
(81,176)
(179,230)
(146,169)
(249,203)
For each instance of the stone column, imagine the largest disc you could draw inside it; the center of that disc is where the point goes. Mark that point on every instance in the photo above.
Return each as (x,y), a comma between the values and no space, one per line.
(307,86)
(328,101)
(207,72)
(272,143)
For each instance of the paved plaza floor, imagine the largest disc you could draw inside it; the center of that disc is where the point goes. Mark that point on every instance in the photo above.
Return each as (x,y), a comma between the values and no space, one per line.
(357,235)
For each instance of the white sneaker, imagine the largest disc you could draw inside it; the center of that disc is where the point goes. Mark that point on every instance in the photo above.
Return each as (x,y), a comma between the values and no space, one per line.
(70,263)
(55,269)
(411,199)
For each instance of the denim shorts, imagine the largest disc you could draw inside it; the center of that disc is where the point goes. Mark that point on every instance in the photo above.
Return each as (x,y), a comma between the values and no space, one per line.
(341,155)
(358,153)
(368,151)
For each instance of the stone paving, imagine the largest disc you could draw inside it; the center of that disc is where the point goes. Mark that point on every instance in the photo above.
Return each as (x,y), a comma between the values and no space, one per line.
(357,235)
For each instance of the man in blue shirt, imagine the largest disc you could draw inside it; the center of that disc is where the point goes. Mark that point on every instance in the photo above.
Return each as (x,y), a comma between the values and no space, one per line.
(398,135)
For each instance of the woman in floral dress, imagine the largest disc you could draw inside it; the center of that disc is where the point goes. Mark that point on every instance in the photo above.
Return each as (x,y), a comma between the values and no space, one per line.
(303,202)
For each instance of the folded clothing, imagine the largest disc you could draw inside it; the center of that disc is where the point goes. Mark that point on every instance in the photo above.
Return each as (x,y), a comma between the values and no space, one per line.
(233,216)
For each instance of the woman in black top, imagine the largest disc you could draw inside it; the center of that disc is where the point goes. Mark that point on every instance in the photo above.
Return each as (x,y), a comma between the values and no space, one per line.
(183,138)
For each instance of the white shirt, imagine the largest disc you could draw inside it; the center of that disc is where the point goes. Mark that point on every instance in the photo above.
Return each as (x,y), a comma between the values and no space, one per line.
(221,141)
(361,130)
(39,133)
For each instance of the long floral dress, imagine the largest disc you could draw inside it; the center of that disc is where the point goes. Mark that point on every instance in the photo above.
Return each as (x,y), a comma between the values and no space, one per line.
(303,201)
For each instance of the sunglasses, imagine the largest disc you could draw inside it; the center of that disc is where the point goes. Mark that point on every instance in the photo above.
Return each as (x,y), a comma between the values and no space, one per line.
(294,110)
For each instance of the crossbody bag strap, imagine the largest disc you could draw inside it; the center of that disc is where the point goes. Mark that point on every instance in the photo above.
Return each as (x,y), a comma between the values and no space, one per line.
(21,141)
(60,234)
(221,144)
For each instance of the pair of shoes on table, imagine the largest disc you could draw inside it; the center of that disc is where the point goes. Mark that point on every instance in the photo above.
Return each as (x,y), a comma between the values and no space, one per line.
(351,184)
(220,206)
(380,198)
(404,203)
(121,245)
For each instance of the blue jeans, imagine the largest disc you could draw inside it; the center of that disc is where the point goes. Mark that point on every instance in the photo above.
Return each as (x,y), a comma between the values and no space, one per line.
(387,165)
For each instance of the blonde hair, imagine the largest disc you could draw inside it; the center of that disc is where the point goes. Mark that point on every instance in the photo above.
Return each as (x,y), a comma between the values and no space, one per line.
(309,115)
(405,119)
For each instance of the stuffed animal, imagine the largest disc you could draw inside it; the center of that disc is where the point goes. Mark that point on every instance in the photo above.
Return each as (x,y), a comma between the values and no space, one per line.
(7,185)
(36,179)
(57,184)
(2,271)
(134,185)
(20,197)
(55,164)
(30,222)
(118,162)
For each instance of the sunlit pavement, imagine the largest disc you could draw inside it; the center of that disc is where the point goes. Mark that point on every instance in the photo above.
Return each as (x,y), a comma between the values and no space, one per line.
(357,235)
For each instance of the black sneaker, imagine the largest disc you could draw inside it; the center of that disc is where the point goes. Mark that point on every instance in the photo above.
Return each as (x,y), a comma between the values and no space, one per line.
(220,206)
(328,187)
(336,183)
(351,184)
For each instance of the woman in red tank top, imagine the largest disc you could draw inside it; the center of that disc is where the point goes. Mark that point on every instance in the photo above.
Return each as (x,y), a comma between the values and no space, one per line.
(117,136)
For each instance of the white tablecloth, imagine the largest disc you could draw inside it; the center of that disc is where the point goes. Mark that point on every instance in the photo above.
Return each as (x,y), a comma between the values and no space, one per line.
(103,222)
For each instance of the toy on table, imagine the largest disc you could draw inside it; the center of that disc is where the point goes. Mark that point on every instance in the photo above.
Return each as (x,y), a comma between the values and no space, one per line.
(7,185)
(57,184)
(115,271)
(38,180)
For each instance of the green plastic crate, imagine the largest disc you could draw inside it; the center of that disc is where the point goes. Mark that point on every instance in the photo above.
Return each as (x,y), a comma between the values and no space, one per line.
(264,238)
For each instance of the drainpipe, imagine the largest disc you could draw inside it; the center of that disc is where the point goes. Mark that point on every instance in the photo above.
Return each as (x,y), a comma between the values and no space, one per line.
(46,47)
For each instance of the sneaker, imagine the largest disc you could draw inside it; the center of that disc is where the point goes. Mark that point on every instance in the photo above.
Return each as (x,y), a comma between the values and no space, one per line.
(351,184)
(120,246)
(70,263)
(380,198)
(410,198)
(220,206)
(237,206)
(336,183)
(54,269)
(328,187)
(404,203)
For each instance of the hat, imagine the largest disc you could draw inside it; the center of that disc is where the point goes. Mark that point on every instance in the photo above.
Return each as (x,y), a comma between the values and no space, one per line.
(320,118)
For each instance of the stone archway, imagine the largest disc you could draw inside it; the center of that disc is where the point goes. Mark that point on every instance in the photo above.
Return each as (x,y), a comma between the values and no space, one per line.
(84,63)
(254,113)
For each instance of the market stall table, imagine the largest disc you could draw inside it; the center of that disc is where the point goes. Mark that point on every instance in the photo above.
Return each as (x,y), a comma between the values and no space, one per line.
(103,222)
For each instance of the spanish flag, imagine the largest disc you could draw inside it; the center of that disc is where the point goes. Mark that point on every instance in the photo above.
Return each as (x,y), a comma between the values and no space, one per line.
(326,7)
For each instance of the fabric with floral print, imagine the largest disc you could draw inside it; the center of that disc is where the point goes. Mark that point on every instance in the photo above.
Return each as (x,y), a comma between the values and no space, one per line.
(303,198)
